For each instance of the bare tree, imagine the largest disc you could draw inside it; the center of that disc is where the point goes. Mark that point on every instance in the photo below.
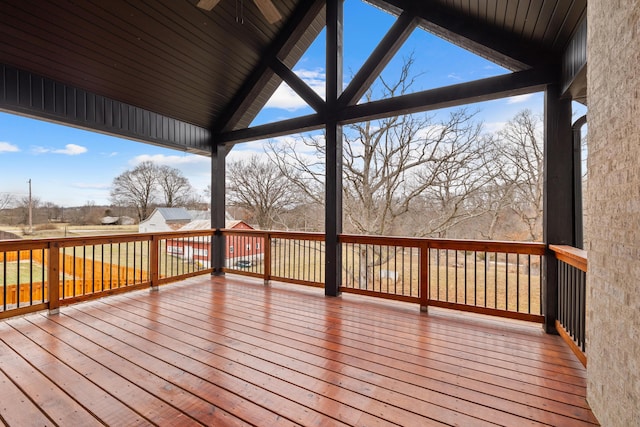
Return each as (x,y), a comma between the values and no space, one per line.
(392,164)
(260,188)
(174,185)
(53,211)
(23,208)
(521,158)
(7,200)
(136,188)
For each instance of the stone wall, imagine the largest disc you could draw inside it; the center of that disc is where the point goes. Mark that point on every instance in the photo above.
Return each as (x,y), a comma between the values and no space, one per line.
(613,316)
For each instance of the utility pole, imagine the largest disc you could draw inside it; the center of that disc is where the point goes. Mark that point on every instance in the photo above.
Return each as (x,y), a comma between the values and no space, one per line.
(30,210)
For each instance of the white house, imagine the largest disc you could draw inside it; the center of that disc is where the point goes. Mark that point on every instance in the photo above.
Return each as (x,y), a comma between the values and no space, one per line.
(165,219)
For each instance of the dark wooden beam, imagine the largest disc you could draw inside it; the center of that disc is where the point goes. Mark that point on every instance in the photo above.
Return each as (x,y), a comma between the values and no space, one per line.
(32,95)
(218,175)
(450,96)
(379,58)
(272,130)
(334,138)
(298,85)
(475,36)
(558,219)
(293,30)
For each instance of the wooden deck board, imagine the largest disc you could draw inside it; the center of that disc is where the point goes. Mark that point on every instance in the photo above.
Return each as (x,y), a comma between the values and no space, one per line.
(234,352)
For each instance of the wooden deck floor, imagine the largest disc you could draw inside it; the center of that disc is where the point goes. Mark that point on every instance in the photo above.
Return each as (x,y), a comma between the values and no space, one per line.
(234,352)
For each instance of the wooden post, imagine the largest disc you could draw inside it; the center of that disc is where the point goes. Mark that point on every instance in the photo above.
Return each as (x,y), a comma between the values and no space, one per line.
(53,278)
(558,219)
(424,277)
(154,262)
(218,173)
(333,182)
(266,247)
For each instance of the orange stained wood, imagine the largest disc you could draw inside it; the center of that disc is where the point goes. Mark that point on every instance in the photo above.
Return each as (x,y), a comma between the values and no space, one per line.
(231,351)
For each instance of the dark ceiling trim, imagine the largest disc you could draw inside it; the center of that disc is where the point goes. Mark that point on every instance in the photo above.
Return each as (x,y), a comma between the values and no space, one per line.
(512,84)
(272,130)
(379,58)
(487,89)
(285,41)
(574,58)
(475,36)
(29,94)
(298,85)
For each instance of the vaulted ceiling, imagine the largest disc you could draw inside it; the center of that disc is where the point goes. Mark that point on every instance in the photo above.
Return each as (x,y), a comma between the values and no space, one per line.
(205,70)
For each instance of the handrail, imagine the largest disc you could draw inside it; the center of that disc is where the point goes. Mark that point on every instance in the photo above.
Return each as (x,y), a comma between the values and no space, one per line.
(570,255)
(572,278)
(47,273)
(492,277)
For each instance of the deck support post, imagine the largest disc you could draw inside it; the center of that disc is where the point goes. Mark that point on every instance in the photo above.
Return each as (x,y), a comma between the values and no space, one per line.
(558,215)
(53,274)
(424,277)
(154,263)
(333,132)
(218,174)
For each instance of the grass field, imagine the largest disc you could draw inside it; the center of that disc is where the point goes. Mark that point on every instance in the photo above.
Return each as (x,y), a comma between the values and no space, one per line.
(64,230)
(27,273)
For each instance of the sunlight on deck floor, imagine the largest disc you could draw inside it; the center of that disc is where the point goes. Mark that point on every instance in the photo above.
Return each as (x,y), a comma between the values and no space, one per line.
(231,351)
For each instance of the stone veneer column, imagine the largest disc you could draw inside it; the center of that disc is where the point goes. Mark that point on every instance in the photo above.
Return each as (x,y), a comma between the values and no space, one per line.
(613,284)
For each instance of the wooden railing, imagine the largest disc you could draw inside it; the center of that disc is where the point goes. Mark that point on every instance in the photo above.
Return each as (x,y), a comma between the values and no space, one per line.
(48,273)
(572,278)
(498,278)
(283,256)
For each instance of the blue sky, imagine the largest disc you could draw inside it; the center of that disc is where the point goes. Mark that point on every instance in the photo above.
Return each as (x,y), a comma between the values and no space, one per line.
(70,167)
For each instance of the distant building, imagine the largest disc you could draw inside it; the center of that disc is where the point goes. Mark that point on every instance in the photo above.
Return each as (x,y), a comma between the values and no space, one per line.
(117,220)
(110,220)
(241,250)
(5,235)
(165,219)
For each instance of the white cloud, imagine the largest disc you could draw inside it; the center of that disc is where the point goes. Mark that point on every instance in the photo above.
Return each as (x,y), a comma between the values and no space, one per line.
(243,155)
(493,127)
(90,186)
(175,161)
(69,150)
(287,99)
(454,76)
(518,99)
(6,147)
(112,154)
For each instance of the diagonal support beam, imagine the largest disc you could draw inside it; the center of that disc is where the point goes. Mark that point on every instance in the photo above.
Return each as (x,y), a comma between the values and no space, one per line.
(515,55)
(284,43)
(272,130)
(379,58)
(298,85)
(487,89)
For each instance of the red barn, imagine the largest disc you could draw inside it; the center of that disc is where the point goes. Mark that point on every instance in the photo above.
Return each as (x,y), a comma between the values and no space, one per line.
(242,251)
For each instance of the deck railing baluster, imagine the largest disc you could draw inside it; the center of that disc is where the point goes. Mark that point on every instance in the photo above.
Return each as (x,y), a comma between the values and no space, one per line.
(374,265)
(572,271)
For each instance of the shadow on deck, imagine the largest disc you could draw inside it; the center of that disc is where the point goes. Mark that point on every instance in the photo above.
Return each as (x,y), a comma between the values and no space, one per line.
(230,351)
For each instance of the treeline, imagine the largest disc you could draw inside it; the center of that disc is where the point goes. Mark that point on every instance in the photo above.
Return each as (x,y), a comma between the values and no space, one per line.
(405,176)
